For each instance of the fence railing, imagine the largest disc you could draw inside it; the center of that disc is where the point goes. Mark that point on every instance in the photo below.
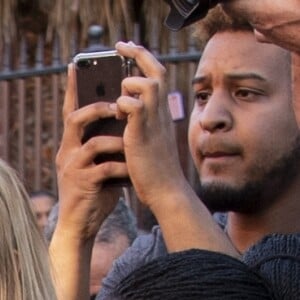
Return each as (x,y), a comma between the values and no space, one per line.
(31,97)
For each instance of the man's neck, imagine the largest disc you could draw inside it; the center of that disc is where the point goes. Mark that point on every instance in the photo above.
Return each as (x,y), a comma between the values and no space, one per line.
(282,217)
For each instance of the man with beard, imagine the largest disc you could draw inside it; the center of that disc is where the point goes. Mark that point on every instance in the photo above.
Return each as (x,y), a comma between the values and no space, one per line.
(244,140)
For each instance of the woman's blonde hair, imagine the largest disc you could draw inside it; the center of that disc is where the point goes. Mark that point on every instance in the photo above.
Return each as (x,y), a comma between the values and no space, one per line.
(24,264)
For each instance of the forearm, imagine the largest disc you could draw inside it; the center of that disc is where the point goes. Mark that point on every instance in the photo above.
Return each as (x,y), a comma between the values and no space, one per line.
(71,265)
(186,223)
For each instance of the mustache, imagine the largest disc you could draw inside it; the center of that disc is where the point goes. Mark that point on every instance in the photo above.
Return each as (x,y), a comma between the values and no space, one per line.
(211,146)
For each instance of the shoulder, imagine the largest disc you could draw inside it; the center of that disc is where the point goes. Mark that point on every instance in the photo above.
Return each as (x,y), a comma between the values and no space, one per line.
(272,248)
(191,274)
(277,258)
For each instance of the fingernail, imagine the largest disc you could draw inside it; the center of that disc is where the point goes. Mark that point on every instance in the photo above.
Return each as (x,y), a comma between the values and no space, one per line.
(118,44)
(123,44)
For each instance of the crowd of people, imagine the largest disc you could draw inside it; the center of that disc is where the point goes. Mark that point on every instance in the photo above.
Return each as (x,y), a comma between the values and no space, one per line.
(238,237)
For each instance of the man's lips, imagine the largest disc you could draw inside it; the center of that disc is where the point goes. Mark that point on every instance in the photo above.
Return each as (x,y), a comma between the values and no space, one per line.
(218,154)
(219,149)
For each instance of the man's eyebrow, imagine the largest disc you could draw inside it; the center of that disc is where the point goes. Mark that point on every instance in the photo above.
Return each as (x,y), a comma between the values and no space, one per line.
(244,76)
(199,79)
(232,76)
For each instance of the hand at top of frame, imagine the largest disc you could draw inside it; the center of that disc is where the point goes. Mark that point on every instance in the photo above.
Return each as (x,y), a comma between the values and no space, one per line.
(276,21)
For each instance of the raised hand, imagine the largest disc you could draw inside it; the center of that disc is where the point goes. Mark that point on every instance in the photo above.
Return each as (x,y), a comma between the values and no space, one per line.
(149,141)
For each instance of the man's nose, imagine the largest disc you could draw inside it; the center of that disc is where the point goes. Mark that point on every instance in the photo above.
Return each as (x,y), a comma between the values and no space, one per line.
(216,115)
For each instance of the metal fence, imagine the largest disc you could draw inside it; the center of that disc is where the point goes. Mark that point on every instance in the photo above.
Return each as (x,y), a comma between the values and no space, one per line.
(31,97)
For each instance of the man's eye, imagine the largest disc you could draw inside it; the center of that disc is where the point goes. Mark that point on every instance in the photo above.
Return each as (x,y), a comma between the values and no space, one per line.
(202,96)
(246,94)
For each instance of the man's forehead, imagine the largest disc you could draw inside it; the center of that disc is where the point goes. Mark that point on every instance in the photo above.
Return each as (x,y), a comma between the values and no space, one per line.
(239,42)
(240,52)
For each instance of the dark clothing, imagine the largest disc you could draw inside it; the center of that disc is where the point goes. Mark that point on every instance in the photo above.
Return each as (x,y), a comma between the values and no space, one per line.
(276,259)
(194,275)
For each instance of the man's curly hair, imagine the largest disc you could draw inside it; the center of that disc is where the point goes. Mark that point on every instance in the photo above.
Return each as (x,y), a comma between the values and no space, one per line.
(217,21)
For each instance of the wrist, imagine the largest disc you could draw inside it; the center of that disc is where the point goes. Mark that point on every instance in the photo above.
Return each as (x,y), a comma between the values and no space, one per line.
(71,235)
(71,257)
(172,201)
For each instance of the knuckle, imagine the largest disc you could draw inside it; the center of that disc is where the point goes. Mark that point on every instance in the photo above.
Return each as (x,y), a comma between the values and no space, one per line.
(154,85)
(139,107)
(70,119)
(162,71)
(91,144)
(107,169)
(139,50)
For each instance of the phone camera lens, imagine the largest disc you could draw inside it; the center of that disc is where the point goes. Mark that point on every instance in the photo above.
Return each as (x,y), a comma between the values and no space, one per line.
(83,64)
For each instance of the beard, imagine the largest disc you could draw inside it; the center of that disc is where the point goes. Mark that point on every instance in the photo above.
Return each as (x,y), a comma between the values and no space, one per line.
(256,195)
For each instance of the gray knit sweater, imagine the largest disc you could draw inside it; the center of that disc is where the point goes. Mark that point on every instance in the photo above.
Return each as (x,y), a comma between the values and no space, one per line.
(276,259)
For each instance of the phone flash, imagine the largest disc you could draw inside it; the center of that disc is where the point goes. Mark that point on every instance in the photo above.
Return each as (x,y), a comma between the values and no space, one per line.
(95,62)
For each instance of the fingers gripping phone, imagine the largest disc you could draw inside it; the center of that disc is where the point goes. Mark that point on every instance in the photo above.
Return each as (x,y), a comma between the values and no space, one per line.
(98,78)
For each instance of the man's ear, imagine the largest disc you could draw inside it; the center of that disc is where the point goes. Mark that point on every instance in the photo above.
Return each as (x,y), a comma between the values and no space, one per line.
(296,85)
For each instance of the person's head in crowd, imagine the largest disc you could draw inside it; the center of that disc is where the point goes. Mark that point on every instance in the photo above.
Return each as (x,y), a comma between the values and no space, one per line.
(193,274)
(42,202)
(243,134)
(24,266)
(116,234)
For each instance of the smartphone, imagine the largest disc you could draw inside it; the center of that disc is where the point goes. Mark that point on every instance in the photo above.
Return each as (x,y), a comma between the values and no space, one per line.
(98,78)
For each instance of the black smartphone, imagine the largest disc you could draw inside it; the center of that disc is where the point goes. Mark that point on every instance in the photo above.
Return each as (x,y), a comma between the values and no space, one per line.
(98,78)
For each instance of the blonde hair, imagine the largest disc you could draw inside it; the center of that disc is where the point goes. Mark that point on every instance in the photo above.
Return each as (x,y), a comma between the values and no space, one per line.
(24,265)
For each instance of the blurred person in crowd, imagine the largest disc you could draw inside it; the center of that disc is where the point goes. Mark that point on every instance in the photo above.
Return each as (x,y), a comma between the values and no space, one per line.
(42,202)
(115,235)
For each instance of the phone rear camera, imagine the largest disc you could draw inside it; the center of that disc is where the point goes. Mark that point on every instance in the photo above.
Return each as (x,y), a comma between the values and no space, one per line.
(83,64)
